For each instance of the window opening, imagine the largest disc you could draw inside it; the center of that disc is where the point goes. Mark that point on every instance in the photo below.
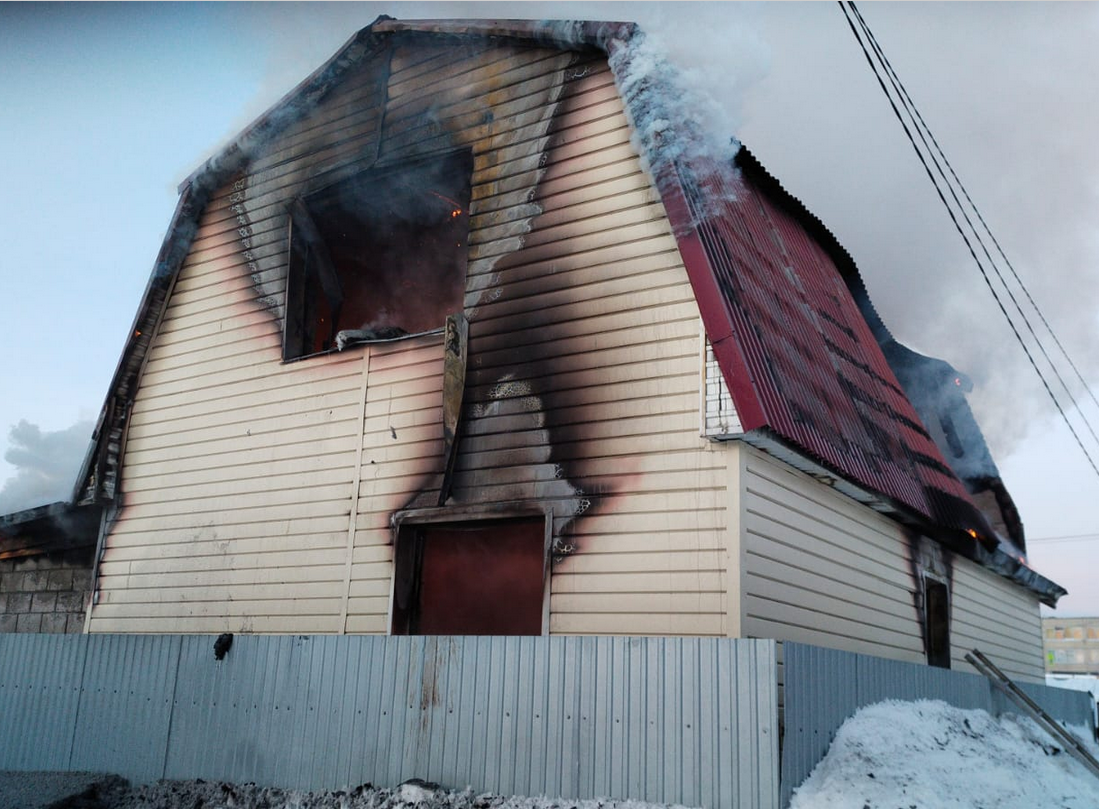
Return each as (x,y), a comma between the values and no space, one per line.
(378,255)
(470,578)
(936,613)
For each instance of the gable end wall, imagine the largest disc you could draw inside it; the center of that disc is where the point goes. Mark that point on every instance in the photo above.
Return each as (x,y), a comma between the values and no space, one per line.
(258,495)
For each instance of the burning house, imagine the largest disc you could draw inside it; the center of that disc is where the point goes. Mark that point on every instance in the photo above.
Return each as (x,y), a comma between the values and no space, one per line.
(475,333)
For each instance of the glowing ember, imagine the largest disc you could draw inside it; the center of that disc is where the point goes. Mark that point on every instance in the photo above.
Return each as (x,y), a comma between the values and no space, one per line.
(972,533)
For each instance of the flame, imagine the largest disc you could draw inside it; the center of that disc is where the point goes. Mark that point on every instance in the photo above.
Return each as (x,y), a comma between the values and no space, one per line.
(456,211)
(972,533)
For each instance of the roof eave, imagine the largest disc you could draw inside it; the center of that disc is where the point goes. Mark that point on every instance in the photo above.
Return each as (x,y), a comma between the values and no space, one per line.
(987,555)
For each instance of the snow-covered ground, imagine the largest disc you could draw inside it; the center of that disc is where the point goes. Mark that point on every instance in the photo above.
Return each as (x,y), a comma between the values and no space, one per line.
(117,794)
(893,755)
(930,755)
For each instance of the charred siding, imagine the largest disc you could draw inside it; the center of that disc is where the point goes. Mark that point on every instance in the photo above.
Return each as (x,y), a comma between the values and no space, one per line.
(258,494)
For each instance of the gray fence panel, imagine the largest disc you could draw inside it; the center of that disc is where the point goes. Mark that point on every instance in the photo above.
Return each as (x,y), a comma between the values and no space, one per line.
(1064,705)
(677,720)
(125,705)
(820,692)
(823,687)
(39,696)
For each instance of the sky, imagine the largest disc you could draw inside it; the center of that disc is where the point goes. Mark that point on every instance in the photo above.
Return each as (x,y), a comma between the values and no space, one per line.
(106,108)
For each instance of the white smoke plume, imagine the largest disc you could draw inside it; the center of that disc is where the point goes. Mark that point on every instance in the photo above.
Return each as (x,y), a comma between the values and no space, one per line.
(46,464)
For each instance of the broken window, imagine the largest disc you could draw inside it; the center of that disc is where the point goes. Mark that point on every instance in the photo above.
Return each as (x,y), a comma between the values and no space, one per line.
(474,578)
(936,616)
(378,255)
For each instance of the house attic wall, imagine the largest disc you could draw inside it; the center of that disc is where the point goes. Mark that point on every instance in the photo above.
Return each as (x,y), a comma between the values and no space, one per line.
(257,494)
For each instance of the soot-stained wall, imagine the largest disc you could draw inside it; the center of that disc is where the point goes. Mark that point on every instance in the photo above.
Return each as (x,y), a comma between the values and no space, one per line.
(259,495)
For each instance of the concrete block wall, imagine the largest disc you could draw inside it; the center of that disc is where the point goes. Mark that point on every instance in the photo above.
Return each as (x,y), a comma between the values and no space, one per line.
(47,592)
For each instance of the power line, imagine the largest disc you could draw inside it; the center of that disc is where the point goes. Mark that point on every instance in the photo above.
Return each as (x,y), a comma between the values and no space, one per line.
(965,238)
(914,114)
(1065,538)
(911,105)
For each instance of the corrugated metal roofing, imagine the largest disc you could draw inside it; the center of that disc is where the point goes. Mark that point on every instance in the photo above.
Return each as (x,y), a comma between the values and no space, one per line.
(799,357)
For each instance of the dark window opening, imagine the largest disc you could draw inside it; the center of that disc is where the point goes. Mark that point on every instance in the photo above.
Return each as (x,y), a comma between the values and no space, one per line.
(476,578)
(936,615)
(379,254)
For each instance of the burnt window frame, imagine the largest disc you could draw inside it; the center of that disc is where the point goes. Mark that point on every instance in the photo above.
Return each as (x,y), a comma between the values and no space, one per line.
(404,522)
(935,614)
(299,304)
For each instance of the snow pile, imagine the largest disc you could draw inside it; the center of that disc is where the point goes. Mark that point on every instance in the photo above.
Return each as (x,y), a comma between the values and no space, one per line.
(930,755)
(116,793)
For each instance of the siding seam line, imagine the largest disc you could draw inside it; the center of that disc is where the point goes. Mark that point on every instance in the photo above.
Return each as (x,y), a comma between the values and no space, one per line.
(355,493)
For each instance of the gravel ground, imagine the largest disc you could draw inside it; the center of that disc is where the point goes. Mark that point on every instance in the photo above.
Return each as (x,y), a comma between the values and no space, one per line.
(98,791)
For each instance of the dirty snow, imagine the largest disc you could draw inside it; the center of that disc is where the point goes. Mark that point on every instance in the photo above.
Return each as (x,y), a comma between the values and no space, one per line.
(115,793)
(930,755)
(892,755)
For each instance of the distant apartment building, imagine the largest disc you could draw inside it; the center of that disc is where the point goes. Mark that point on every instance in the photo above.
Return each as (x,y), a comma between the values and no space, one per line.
(1071,645)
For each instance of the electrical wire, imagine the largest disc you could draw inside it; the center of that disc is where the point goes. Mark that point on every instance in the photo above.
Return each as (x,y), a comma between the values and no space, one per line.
(965,238)
(914,115)
(1066,538)
(977,211)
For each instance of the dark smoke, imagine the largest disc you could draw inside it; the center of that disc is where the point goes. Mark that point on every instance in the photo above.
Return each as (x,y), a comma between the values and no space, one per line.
(46,464)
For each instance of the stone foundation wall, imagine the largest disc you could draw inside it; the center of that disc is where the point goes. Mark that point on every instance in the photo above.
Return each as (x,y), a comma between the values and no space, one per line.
(46,593)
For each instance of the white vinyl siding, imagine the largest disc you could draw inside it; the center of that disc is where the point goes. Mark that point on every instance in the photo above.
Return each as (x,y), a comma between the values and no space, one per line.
(258,495)
(825,570)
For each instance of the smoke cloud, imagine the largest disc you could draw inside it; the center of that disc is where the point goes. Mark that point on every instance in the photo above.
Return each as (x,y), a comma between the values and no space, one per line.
(1007,113)
(46,464)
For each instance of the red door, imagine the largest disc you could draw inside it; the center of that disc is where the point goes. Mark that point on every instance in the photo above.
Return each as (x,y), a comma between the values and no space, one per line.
(482,578)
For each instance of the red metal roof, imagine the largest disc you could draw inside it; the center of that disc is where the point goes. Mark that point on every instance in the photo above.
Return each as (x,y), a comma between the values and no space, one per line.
(798,356)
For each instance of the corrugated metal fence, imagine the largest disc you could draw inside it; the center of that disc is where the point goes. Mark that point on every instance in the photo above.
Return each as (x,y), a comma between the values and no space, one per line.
(673,720)
(823,687)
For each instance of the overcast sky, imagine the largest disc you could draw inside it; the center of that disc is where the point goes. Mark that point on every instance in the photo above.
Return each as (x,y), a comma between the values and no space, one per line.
(104,109)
